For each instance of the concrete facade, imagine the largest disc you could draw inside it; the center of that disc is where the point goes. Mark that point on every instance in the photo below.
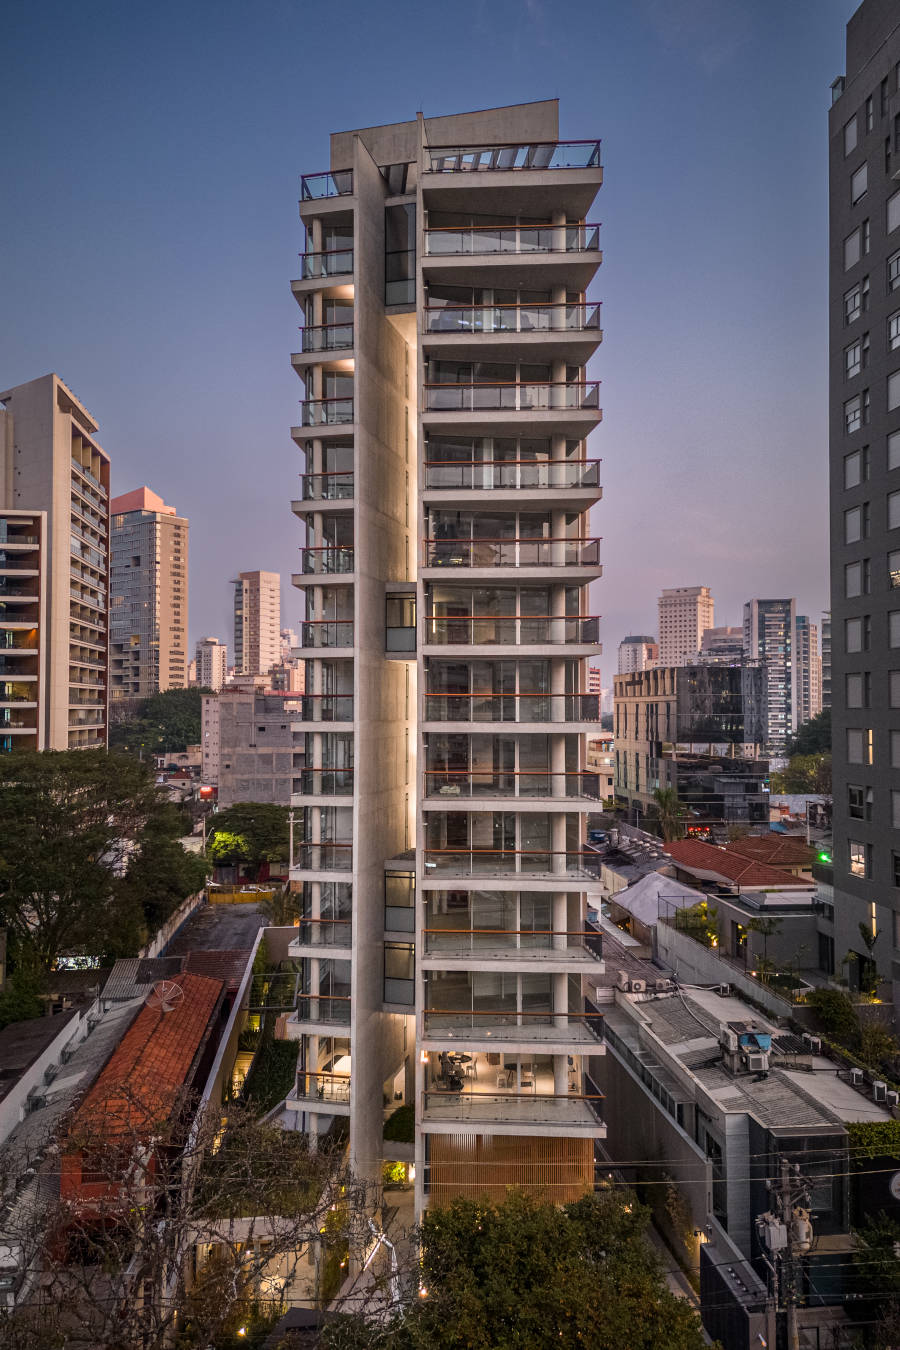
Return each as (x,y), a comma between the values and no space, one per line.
(864,435)
(211,657)
(442,516)
(23,636)
(258,756)
(148,596)
(209,740)
(722,644)
(50,462)
(685,613)
(257,622)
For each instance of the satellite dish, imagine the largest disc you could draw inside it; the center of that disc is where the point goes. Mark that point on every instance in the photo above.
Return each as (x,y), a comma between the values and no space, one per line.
(165,995)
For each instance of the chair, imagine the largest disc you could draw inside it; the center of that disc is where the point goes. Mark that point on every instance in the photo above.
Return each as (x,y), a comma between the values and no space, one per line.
(472,1071)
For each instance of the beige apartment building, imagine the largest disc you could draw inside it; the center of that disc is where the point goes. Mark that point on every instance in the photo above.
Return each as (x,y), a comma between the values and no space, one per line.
(257,622)
(53,470)
(685,612)
(211,661)
(447,631)
(149,596)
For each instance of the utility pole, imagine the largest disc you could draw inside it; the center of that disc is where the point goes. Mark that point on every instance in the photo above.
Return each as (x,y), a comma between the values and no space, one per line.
(786,1235)
(290,844)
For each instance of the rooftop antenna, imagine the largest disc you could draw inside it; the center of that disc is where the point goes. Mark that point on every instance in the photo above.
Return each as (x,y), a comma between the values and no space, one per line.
(165,995)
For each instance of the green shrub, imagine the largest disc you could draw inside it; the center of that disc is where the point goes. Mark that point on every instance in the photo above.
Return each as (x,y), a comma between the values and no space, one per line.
(836,1014)
(400,1126)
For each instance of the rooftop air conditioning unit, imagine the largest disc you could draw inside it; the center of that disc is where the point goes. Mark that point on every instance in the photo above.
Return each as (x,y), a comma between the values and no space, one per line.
(893,1099)
(879,1090)
(757,1063)
(639,986)
(724,991)
(622,981)
(663,986)
(856,1077)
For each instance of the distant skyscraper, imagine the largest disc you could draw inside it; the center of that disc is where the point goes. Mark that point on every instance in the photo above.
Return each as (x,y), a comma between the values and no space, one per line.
(148,596)
(770,636)
(51,463)
(212,662)
(257,622)
(809,671)
(595,680)
(289,642)
(637,653)
(722,644)
(685,613)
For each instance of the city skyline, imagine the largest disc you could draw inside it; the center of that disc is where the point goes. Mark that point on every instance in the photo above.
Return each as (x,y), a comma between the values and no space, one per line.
(193,197)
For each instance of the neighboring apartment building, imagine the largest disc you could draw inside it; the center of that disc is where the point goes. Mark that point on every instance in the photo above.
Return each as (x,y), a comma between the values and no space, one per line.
(826,659)
(637,653)
(722,644)
(50,463)
(209,740)
(211,657)
(257,622)
(260,757)
(770,636)
(685,613)
(447,632)
(23,637)
(864,424)
(809,670)
(148,596)
(697,729)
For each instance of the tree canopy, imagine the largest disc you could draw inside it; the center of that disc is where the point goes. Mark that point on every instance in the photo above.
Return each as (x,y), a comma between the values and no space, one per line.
(804,774)
(813,737)
(248,832)
(89,855)
(166,721)
(523,1274)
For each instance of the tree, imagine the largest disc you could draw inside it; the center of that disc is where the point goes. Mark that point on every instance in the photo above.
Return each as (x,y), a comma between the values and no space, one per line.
(526,1274)
(813,737)
(249,832)
(74,877)
(166,721)
(767,927)
(836,1014)
(805,774)
(669,814)
(133,1266)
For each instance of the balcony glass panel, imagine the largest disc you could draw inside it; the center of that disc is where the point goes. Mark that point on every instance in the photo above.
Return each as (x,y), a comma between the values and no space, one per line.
(512,552)
(510,630)
(494,783)
(318,412)
(482,240)
(327,559)
(326,487)
(326,633)
(329,1008)
(538,318)
(512,474)
(512,1108)
(333,262)
(518,396)
(327,337)
(325,782)
(512,707)
(323,1087)
(534,155)
(498,862)
(336,184)
(325,857)
(326,708)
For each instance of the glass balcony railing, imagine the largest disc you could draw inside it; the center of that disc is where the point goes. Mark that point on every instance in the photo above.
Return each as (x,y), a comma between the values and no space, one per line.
(512,708)
(517,396)
(13,537)
(512,552)
(20,640)
(22,590)
(326,633)
(507,862)
(324,933)
(512,474)
(512,1108)
(325,782)
(326,412)
(516,1024)
(326,708)
(327,337)
(336,184)
(323,1087)
(484,240)
(332,262)
(17,667)
(510,630)
(538,318)
(514,783)
(327,558)
(529,156)
(326,487)
(511,942)
(325,857)
(89,476)
(323,1008)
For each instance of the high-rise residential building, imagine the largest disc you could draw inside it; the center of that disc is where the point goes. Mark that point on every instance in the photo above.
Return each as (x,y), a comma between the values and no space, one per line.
(257,622)
(809,670)
(685,613)
(826,659)
(770,636)
(23,636)
(289,642)
(211,656)
(148,588)
(722,644)
(447,633)
(50,463)
(595,680)
(209,739)
(864,425)
(637,653)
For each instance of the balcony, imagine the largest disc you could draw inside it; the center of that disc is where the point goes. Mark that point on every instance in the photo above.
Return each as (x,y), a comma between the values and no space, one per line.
(15,667)
(324,783)
(326,412)
(332,262)
(326,708)
(80,468)
(325,857)
(511,630)
(326,634)
(327,1009)
(520,240)
(515,552)
(513,475)
(314,186)
(484,944)
(327,559)
(23,590)
(326,487)
(512,708)
(471,320)
(496,1026)
(532,156)
(327,337)
(541,863)
(470,783)
(322,1087)
(329,933)
(19,640)
(517,396)
(572,1113)
(8,540)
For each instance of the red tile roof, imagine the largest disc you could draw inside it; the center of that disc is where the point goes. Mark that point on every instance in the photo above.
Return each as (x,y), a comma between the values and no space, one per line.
(141,1080)
(695,856)
(773,850)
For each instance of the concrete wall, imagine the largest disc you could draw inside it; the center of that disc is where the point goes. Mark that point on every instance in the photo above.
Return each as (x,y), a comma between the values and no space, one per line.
(693,964)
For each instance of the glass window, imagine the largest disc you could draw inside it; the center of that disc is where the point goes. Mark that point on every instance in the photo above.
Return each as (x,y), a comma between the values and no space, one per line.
(893,271)
(853,525)
(852,249)
(894,628)
(893,325)
(894,688)
(856,802)
(853,414)
(853,580)
(893,562)
(853,303)
(854,746)
(853,359)
(895,858)
(859,860)
(895,749)
(893,450)
(893,390)
(853,469)
(850,136)
(870,113)
(854,635)
(866,236)
(893,211)
(859,184)
(854,691)
(893,510)
(895,809)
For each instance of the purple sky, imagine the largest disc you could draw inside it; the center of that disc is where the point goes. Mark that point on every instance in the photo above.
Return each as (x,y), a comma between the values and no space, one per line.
(149,234)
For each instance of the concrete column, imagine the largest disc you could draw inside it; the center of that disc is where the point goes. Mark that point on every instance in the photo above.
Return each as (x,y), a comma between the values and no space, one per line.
(560,921)
(561,1075)
(558,842)
(558,610)
(560,1000)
